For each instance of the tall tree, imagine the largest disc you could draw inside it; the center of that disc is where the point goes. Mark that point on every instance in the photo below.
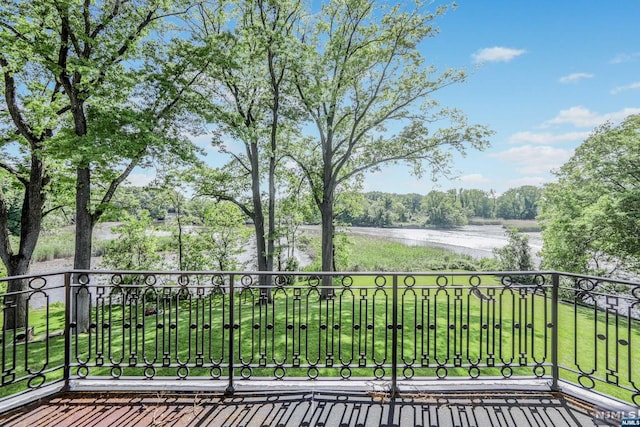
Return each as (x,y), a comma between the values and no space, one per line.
(248,85)
(519,203)
(362,77)
(476,203)
(590,217)
(443,210)
(34,179)
(119,96)
(32,108)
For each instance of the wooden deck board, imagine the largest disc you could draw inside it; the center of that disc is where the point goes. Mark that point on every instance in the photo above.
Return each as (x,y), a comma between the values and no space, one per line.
(300,409)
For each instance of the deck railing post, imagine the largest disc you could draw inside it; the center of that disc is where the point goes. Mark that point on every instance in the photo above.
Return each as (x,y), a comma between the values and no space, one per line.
(555,370)
(231,387)
(67,329)
(394,338)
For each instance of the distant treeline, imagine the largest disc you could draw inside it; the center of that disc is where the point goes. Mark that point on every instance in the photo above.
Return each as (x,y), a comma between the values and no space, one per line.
(450,208)
(441,208)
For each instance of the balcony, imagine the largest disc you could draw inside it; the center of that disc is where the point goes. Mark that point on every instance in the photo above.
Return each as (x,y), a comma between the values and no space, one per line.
(506,347)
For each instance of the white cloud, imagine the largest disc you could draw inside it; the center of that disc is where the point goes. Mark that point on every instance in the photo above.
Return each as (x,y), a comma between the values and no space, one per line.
(496,54)
(617,90)
(534,160)
(139,179)
(625,57)
(572,78)
(546,137)
(580,116)
(472,179)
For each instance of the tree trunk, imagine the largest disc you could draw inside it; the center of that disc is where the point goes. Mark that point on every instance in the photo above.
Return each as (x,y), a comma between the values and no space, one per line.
(273,161)
(15,313)
(265,280)
(326,211)
(180,244)
(82,258)
(258,220)
(16,305)
(271,236)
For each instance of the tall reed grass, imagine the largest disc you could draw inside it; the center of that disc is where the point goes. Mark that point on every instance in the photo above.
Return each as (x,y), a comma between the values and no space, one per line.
(59,244)
(377,254)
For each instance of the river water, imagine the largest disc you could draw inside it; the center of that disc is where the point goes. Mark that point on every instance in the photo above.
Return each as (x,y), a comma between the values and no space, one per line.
(475,240)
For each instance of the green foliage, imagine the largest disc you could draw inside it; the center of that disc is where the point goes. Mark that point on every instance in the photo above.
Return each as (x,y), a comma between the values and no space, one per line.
(222,237)
(249,97)
(343,251)
(519,203)
(516,254)
(591,216)
(136,246)
(97,87)
(374,209)
(477,203)
(443,209)
(131,200)
(294,208)
(10,194)
(377,209)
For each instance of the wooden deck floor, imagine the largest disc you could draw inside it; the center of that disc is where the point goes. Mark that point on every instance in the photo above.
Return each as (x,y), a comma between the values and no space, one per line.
(302,409)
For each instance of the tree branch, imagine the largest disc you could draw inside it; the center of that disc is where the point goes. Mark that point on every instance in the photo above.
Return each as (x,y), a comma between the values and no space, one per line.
(10,95)
(47,212)
(14,173)
(114,184)
(222,196)
(307,173)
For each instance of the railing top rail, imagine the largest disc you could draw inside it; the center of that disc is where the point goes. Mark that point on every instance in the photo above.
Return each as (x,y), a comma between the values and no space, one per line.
(324,273)
(599,278)
(365,273)
(321,273)
(32,275)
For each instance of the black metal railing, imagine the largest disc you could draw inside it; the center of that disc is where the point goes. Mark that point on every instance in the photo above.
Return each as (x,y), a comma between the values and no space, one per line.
(390,327)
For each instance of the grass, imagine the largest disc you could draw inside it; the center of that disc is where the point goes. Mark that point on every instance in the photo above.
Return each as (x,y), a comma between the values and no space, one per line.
(290,332)
(377,254)
(605,344)
(54,246)
(522,225)
(57,245)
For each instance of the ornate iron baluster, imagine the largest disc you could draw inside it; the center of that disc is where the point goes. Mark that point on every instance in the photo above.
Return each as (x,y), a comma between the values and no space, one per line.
(409,326)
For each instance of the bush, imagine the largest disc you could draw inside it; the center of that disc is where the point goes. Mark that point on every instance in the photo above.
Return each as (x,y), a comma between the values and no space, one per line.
(516,256)
(135,248)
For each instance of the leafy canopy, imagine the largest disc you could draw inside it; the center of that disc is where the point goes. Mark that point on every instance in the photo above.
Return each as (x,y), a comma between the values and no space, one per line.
(591,216)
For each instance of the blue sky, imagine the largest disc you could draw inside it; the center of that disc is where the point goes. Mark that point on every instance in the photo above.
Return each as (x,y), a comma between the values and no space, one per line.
(543,75)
